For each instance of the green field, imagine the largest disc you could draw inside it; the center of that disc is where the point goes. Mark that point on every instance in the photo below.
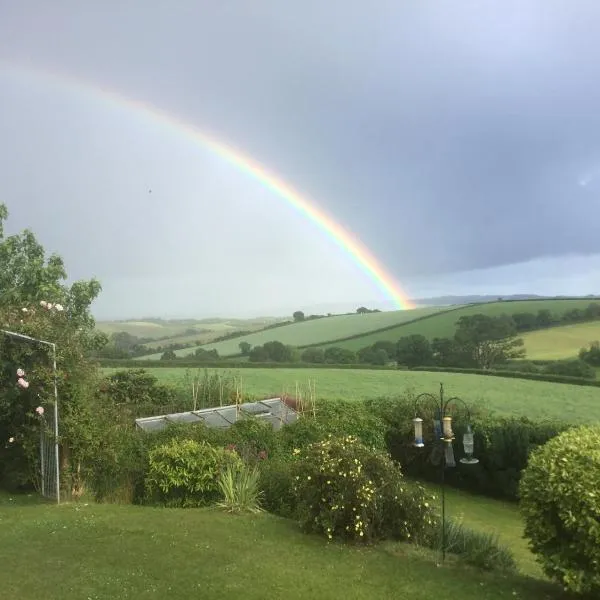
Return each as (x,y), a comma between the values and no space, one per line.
(431,322)
(174,331)
(316,331)
(560,342)
(535,399)
(444,324)
(109,552)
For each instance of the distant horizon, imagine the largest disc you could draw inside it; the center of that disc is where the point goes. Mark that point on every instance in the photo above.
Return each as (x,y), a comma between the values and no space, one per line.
(329,308)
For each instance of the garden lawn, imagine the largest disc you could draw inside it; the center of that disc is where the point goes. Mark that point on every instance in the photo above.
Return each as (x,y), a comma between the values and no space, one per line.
(491,516)
(509,396)
(105,552)
(444,324)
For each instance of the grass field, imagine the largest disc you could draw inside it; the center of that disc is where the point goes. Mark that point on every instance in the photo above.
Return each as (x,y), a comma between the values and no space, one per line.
(316,331)
(560,342)
(430,322)
(444,324)
(104,552)
(175,330)
(535,399)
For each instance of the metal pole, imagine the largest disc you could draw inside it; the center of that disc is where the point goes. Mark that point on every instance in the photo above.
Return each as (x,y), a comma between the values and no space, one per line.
(443,508)
(56,449)
(42,458)
(443,463)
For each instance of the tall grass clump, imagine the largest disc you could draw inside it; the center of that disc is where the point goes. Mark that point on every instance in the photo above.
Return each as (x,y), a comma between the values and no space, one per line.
(479,549)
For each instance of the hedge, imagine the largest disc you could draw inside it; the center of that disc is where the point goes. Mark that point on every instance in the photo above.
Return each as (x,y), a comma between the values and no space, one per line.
(129,363)
(514,375)
(502,445)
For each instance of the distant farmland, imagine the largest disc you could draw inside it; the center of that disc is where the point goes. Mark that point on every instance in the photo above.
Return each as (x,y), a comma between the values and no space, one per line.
(444,324)
(317,331)
(357,331)
(560,342)
(165,332)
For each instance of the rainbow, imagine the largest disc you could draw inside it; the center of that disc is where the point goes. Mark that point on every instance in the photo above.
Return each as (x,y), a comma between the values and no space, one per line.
(347,241)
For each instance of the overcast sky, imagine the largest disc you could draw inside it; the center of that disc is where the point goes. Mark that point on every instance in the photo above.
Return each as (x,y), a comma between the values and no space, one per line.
(458,139)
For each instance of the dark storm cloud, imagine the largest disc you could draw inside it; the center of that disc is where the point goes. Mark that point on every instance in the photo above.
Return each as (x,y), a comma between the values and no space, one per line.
(449,135)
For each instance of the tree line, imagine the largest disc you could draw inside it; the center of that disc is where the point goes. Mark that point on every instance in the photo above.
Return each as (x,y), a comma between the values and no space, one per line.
(480,341)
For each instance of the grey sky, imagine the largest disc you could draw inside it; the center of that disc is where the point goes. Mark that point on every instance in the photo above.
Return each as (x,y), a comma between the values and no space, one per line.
(454,137)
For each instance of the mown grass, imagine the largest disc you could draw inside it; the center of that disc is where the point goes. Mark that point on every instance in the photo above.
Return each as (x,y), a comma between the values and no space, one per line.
(115,552)
(317,331)
(535,399)
(560,342)
(444,324)
(488,515)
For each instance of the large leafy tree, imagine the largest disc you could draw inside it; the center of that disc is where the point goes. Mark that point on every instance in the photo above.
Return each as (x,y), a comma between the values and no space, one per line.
(36,301)
(488,340)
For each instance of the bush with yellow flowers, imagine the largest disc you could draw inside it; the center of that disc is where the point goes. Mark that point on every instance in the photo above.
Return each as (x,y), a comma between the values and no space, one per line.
(347,491)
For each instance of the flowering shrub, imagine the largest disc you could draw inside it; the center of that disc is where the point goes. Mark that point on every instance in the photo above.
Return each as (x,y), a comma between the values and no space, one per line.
(36,302)
(347,491)
(186,473)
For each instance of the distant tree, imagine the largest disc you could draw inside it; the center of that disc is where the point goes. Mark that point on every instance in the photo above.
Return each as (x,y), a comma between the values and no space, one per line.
(362,310)
(389,347)
(258,354)
(447,353)
(168,355)
(245,348)
(203,355)
(272,351)
(372,355)
(591,355)
(488,340)
(313,355)
(544,318)
(592,311)
(525,321)
(278,352)
(339,356)
(414,351)
(298,316)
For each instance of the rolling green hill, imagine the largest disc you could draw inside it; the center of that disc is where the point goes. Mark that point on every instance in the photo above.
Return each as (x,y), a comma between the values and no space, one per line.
(178,331)
(357,331)
(444,324)
(317,331)
(560,342)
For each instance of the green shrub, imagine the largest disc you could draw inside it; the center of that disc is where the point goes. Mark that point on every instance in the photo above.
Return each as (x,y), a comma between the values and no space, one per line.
(482,550)
(336,418)
(570,368)
(239,487)
(253,439)
(560,501)
(185,472)
(502,445)
(347,491)
(277,487)
(541,376)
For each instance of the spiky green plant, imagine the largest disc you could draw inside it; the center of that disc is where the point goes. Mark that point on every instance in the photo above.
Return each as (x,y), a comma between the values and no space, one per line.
(239,487)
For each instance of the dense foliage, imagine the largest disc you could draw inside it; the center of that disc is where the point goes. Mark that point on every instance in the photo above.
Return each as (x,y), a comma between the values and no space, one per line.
(36,302)
(186,473)
(345,490)
(560,500)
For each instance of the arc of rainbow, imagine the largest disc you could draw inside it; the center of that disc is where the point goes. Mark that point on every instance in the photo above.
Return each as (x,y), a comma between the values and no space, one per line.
(348,242)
